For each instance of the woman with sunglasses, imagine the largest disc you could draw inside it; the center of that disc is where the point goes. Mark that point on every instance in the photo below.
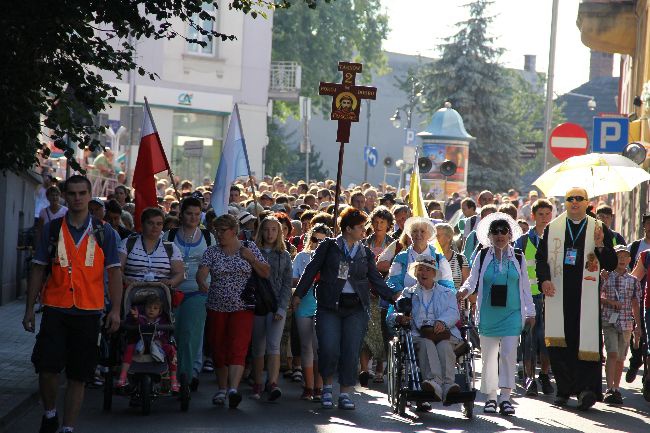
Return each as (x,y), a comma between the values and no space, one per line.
(230,322)
(305,313)
(504,306)
(347,269)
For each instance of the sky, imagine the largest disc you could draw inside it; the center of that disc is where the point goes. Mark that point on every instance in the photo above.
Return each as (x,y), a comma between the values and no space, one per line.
(520,27)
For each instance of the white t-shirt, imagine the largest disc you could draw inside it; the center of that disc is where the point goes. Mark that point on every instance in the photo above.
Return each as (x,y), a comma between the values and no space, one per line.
(139,263)
(47,215)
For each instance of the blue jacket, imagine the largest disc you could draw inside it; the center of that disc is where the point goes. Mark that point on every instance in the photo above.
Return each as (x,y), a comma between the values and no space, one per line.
(400,266)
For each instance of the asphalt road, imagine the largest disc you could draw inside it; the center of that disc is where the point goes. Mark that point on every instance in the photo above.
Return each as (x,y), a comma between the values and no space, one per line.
(373,414)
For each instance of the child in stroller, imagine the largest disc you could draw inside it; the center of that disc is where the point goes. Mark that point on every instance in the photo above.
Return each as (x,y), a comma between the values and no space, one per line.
(161,347)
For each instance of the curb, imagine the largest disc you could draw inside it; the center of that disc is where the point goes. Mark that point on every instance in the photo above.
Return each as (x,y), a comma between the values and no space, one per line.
(19,409)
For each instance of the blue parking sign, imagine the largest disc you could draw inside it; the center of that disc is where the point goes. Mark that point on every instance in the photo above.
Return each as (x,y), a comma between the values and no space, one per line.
(610,134)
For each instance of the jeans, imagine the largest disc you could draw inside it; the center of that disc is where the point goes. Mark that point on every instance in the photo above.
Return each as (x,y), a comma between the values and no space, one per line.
(267,334)
(340,335)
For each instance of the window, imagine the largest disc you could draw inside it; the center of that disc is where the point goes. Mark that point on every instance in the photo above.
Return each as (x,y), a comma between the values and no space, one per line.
(194,128)
(205,24)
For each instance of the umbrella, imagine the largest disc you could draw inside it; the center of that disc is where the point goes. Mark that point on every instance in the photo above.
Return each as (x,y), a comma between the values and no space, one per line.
(598,173)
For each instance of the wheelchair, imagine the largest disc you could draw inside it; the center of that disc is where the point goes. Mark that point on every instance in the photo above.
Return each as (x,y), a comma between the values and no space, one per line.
(404,378)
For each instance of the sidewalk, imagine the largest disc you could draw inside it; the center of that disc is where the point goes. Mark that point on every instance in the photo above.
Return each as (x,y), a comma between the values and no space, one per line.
(18,382)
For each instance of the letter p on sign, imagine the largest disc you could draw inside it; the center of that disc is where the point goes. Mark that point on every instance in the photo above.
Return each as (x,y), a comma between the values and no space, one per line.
(610,134)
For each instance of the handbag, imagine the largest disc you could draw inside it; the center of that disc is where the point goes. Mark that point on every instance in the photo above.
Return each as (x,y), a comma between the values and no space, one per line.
(258,294)
(427,332)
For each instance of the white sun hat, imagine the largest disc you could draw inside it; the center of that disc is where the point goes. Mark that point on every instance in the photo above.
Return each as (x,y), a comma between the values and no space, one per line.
(483,227)
(420,220)
(423,260)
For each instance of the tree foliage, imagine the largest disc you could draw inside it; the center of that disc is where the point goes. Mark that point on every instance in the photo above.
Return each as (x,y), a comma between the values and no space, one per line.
(468,75)
(54,51)
(280,159)
(346,30)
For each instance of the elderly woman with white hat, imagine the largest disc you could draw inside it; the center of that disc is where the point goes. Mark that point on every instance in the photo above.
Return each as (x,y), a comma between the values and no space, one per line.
(433,325)
(504,306)
(422,233)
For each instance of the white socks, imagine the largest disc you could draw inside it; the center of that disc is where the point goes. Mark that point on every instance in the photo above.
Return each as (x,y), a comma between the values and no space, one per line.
(49,414)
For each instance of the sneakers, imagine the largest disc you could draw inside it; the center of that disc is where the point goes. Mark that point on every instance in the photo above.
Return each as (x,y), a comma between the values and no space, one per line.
(208,366)
(586,399)
(275,392)
(560,401)
(547,387)
(631,373)
(258,389)
(234,398)
(531,388)
(296,376)
(433,387)
(450,390)
(49,425)
(318,395)
(219,399)
(364,377)
(613,396)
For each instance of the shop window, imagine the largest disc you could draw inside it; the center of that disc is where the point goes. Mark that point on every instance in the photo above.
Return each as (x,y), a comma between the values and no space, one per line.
(196,146)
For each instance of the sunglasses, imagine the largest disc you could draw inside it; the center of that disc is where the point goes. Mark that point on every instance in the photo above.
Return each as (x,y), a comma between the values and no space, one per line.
(500,231)
(316,240)
(577,198)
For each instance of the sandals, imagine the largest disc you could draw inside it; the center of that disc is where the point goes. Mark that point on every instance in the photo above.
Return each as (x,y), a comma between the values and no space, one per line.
(326,400)
(346,403)
(490,406)
(219,399)
(505,408)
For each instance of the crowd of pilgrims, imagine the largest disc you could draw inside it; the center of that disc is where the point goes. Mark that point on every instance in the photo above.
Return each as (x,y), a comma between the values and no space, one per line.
(334,293)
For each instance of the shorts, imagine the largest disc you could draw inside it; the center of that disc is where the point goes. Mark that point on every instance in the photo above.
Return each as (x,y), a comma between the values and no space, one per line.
(616,340)
(67,341)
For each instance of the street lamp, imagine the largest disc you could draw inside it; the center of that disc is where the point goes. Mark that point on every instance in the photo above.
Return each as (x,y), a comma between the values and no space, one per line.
(396,119)
(591,103)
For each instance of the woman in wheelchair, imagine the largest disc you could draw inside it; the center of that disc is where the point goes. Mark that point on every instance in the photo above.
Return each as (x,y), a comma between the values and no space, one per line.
(433,319)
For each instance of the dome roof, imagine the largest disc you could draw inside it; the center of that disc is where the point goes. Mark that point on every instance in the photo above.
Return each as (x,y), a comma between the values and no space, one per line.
(446,124)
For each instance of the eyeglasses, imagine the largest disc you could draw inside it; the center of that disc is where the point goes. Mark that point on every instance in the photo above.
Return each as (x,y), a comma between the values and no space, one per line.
(500,231)
(577,198)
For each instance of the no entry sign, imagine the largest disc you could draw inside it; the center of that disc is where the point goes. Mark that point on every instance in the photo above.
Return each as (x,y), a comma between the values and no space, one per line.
(567,140)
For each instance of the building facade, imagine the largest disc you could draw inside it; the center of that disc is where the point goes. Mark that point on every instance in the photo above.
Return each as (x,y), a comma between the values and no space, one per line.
(621,26)
(196,88)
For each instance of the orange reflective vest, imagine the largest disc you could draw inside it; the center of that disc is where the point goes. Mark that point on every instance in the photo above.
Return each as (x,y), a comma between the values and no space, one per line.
(77,278)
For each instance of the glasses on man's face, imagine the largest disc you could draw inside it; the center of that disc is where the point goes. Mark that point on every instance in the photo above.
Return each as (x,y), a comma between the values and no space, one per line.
(315,240)
(500,231)
(577,198)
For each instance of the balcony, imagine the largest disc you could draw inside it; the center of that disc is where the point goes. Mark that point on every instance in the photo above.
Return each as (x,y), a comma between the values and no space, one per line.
(285,81)
(608,25)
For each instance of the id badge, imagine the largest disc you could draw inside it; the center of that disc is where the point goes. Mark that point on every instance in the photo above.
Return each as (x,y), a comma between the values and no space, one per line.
(613,317)
(571,257)
(149,276)
(344,267)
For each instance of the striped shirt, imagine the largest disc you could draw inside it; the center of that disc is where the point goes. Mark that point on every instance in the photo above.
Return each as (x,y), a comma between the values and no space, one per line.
(456,268)
(139,263)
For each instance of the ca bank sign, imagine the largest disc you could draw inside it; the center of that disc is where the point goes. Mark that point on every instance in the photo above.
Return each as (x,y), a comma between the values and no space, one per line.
(610,134)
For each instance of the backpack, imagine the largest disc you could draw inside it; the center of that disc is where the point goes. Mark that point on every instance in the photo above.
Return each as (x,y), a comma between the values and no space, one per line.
(55,229)
(519,255)
(206,235)
(634,250)
(131,240)
(258,294)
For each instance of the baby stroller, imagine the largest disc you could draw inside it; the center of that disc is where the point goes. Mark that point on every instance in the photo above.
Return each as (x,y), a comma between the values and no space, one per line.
(148,375)
(404,373)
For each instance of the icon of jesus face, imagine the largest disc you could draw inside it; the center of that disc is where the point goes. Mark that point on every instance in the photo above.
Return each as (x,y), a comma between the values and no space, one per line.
(346,104)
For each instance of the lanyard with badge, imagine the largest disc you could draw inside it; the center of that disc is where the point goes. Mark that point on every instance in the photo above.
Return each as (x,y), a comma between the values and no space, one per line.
(149,276)
(613,316)
(344,265)
(187,245)
(425,307)
(571,255)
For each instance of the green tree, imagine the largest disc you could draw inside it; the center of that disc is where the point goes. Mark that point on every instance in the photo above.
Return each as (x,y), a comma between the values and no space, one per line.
(469,76)
(319,38)
(282,157)
(54,51)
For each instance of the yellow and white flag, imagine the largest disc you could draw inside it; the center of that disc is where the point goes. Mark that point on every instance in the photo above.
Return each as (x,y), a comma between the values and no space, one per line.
(415,193)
